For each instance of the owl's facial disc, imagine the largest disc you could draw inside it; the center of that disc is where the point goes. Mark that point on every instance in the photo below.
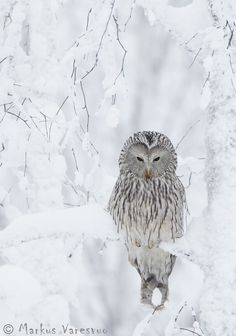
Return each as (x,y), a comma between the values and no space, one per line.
(147,163)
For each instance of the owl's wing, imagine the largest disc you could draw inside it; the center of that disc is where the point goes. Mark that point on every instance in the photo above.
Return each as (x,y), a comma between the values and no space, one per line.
(182,209)
(113,204)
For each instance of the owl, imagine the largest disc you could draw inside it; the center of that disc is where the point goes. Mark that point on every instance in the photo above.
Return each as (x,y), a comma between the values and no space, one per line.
(147,204)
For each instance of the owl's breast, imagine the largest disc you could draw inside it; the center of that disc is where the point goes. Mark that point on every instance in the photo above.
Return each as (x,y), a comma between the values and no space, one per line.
(150,213)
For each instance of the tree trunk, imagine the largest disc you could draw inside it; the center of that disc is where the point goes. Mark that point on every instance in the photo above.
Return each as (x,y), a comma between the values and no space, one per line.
(218,301)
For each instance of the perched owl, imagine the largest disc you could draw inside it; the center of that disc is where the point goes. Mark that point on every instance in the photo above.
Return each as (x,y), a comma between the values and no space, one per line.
(147,205)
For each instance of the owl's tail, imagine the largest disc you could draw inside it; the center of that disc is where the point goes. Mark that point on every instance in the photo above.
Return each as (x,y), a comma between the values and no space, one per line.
(147,287)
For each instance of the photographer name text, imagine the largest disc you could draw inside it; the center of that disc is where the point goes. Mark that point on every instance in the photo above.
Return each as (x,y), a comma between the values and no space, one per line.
(64,329)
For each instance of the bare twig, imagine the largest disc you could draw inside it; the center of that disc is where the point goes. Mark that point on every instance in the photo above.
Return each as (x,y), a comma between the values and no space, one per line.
(122,47)
(3,148)
(15,115)
(186,133)
(4,198)
(195,320)
(59,109)
(45,122)
(6,109)
(130,14)
(231,65)
(179,312)
(71,205)
(90,142)
(85,107)
(75,159)
(206,80)
(189,180)
(88,16)
(25,167)
(193,37)
(23,101)
(101,40)
(36,126)
(195,57)
(4,59)
(74,71)
(6,18)
(62,105)
(231,34)
(233,86)
(191,331)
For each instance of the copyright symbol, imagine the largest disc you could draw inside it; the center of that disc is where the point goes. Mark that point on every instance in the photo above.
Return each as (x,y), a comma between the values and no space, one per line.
(8,329)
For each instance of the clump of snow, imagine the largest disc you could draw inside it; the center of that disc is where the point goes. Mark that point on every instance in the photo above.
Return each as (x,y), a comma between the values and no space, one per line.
(112,116)
(90,220)
(19,290)
(44,250)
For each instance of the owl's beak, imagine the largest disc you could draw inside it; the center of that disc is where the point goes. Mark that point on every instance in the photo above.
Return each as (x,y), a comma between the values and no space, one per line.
(148,173)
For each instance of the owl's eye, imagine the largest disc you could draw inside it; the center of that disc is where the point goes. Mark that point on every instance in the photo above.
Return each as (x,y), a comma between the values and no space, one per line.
(156,159)
(139,158)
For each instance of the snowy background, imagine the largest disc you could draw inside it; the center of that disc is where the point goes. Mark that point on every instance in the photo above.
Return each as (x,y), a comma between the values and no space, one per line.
(77,78)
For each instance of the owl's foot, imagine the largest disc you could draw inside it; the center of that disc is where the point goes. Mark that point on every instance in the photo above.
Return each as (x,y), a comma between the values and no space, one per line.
(146,296)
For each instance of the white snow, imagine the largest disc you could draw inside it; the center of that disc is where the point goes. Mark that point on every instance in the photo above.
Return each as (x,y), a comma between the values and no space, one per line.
(90,221)
(77,79)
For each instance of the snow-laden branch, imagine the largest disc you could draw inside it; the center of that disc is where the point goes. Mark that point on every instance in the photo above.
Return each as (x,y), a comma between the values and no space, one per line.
(83,222)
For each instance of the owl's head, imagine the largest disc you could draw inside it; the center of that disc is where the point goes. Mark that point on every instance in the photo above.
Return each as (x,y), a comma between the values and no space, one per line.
(148,155)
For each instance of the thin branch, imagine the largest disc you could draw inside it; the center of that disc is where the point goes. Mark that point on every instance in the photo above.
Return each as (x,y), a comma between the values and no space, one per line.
(6,18)
(36,126)
(186,133)
(62,105)
(193,37)
(90,142)
(189,180)
(24,101)
(45,122)
(179,312)
(122,47)
(233,86)
(3,148)
(231,64)
(85,107)
(130,14)
(88,16)
(74,71)
(75,159)
(195,57)
(4,198)
(25,167)
(4,59)
(101,40)
(195,320)
(193,332)
(231,34)
(15,115)
(206,80)
(59,109)
(71,205)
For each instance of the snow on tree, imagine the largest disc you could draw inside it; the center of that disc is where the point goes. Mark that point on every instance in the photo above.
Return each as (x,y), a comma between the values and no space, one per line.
(212,236)
(76,78)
